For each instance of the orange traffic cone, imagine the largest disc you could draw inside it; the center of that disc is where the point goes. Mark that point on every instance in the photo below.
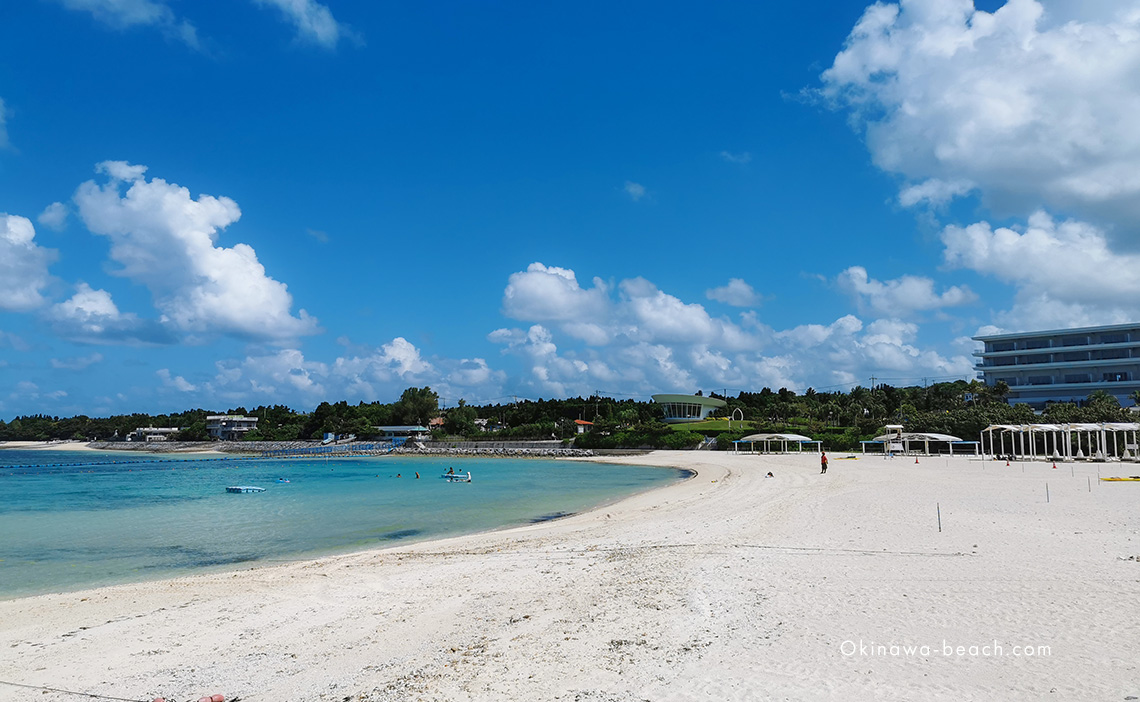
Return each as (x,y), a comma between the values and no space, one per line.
(1007,464)
(1054,465)
(916,459)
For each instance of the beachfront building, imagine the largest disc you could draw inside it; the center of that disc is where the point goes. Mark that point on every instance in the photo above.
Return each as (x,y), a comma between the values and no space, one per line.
(229,427)
(582,426)
(687,408)
(1063,365)
(152,434)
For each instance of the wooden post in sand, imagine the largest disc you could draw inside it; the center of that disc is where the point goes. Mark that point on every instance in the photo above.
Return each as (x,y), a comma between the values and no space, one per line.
(1090,483)
(1046,492)
(939,508)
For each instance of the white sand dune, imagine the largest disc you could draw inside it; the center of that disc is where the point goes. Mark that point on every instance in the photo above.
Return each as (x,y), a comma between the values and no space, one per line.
(729,586)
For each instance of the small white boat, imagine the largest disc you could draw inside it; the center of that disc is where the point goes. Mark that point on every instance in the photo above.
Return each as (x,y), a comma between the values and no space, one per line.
(458,477)
(244,488)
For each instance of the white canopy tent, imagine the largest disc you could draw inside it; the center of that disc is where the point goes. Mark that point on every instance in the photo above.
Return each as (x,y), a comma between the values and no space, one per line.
(782,439)
(1063,441)
(907,442)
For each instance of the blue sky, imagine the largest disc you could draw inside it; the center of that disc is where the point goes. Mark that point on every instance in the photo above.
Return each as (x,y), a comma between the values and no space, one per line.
(288,201)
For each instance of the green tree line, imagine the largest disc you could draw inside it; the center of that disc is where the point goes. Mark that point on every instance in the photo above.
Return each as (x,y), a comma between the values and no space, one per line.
(839,419)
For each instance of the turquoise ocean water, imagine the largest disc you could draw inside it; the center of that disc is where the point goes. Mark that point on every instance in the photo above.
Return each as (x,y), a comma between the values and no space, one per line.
(71,520)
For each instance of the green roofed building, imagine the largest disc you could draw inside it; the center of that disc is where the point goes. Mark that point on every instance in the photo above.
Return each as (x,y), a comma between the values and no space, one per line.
(687,408)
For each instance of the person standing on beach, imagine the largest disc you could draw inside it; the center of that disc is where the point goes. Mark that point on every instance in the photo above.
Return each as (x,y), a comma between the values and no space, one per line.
(822,463)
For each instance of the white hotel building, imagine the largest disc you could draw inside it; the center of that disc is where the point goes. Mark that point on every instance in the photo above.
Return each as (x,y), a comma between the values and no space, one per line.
(1063,365)
(229,427)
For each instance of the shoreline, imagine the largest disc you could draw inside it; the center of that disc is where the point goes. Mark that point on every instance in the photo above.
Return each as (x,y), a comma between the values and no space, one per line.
(727,585)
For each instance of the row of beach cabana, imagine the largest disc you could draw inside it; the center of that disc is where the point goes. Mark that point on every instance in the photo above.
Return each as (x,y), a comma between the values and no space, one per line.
(895,441)
(1063,442)
(1058,442)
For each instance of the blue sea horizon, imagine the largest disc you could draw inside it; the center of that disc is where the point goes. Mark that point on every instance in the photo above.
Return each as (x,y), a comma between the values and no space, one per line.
(75,520)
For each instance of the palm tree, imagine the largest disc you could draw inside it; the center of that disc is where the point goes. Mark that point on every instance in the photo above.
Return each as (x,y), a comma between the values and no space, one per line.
(1000,390)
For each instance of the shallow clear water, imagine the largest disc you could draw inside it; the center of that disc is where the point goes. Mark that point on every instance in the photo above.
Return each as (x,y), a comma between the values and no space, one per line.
(70,520)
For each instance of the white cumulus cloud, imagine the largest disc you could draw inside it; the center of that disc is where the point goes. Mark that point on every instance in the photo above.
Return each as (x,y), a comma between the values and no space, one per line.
(1031,112)
(902,296)
(1065,273)
(648,340)
(552,293)
(166,240)
(175,382)
(23,265)
(635,191)
(933,192)
(54,216)
(736,293)
(91,316)
(366,374)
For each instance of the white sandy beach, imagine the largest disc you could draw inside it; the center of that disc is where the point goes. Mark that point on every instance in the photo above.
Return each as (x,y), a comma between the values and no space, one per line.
(729,586)
(46,445)
(86,446)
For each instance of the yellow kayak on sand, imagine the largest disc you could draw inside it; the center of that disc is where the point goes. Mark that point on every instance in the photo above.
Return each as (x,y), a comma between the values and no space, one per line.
(1129,479)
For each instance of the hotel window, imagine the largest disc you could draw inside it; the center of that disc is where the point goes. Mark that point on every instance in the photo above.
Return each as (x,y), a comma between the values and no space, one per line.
(1074,341)
(1078,378)
(1037,344)
(1074,356)
(1037,358)
(1002,346)
(1116,377)
(1118,338)
(1111,353)
(1040,380)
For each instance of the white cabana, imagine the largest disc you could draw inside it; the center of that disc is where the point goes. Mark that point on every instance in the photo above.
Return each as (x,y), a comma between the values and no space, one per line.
(1063,441)
(907,442)
(782,439)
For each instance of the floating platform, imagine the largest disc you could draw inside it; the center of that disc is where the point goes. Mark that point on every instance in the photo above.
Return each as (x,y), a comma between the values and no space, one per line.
(244,488)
